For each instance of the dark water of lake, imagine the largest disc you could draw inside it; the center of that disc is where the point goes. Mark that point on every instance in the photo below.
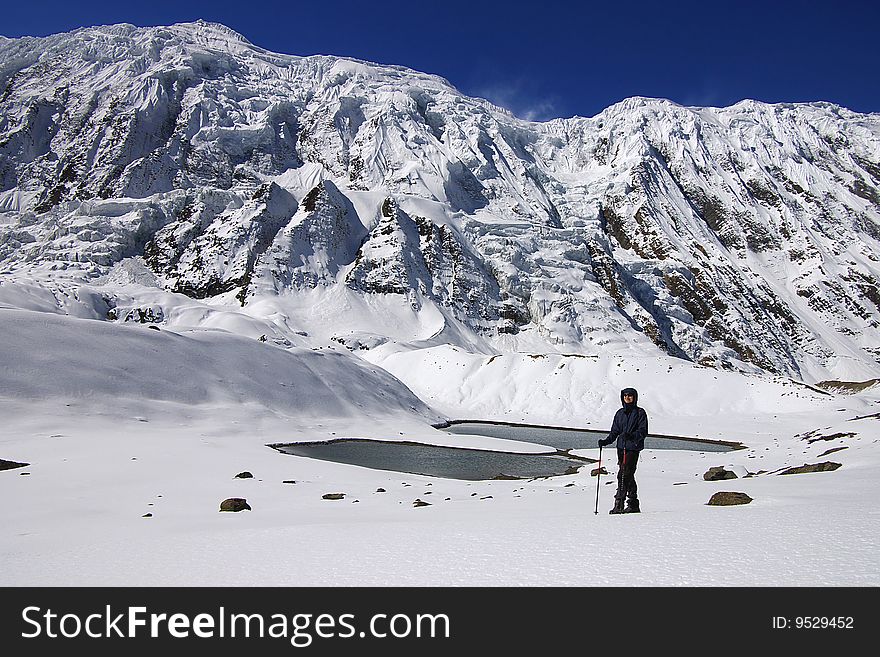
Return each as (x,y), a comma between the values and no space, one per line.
(448,462)
(479,464)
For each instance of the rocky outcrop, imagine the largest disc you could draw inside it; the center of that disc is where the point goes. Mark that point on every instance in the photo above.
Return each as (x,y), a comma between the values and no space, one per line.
(222,257)
(320,240)
(825,466)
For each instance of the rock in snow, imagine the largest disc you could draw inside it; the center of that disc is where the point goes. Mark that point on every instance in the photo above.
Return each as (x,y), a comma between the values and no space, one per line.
(727,498)
(235,504)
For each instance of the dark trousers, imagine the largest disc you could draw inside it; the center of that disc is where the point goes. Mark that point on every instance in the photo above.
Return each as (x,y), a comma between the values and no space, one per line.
(626,476)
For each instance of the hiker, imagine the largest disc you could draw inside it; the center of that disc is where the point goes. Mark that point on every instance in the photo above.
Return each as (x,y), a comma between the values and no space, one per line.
(629,428)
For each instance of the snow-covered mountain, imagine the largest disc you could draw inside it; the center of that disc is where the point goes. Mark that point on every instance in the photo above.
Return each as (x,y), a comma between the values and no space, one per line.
(323,198)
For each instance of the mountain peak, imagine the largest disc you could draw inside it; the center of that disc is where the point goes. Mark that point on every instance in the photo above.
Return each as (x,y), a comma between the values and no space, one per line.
(735,237)
(202,29)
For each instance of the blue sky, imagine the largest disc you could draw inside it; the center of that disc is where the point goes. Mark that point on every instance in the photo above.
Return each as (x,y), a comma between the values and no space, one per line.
(550,58)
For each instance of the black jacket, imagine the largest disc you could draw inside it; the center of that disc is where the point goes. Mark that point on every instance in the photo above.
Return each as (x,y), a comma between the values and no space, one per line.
(630,425)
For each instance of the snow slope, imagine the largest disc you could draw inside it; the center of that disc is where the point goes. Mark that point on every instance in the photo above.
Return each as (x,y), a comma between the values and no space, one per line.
(115,424)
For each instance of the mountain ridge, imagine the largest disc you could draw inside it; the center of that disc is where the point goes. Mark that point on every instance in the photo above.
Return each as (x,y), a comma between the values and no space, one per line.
(743,237)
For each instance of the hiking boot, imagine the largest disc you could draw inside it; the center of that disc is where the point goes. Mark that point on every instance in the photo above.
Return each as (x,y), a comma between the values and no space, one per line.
(632,507)
(618,507)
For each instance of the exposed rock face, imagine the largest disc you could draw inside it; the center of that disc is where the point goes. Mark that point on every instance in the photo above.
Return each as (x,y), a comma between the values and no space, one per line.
(727,498)
(743,237)
(311,250)
(221,256)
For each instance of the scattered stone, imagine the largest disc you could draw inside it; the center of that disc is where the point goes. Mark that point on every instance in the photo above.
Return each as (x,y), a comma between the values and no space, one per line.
(147,515)
(718,473)
(595,472)
(155,328)
(419,502)
(569,485)
(23,474)
(9,465)
(235,504)
(814,467)
(726,498)
(680,483)
(288,481)
(832,450)
(381,490)
(244,475)
(488,497)
(333,496)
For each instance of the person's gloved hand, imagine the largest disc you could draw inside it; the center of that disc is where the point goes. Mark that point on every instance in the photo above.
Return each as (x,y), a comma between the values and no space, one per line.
(605,441)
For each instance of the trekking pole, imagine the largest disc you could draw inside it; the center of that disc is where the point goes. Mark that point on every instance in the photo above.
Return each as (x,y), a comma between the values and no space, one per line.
(598,476)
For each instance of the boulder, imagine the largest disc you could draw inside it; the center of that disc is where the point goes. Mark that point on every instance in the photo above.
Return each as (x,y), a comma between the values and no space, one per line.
(718,473)
(814,467)
(419,502)
(726,498)
(235,504)
(244,475)
(595,472)
(333,496)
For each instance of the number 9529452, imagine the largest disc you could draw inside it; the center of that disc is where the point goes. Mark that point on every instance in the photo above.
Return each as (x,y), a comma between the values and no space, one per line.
(823,622)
